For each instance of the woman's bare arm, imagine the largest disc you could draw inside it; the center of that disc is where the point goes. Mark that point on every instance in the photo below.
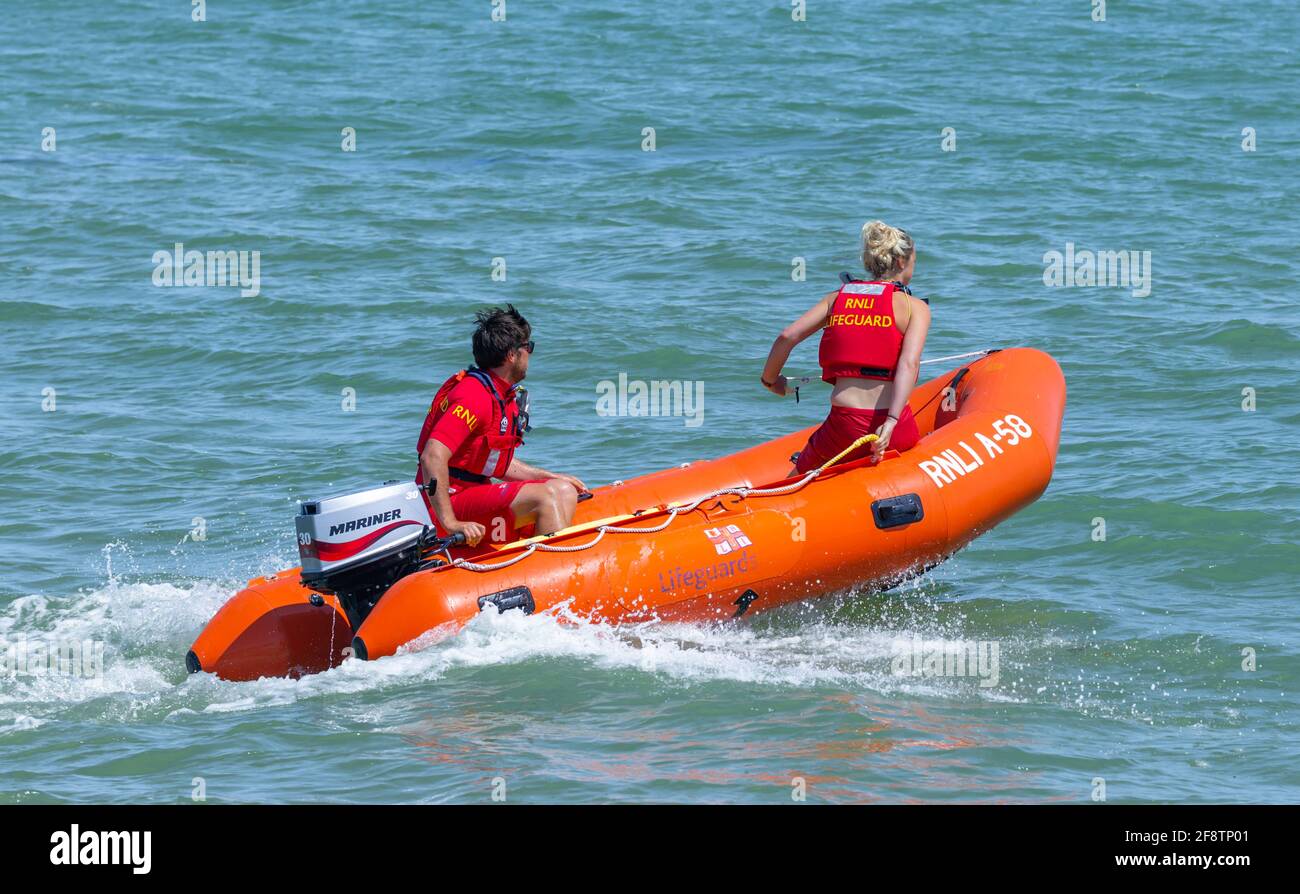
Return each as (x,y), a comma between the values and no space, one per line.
(800,329)
(909,359)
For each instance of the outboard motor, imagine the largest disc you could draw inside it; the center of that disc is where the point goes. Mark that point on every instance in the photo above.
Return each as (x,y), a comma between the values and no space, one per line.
(357,545)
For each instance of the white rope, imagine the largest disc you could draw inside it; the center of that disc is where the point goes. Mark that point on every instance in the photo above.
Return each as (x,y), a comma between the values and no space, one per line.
(789,488)
(956,357)
(673,512)
(573,549)
(476,566)
(809,380)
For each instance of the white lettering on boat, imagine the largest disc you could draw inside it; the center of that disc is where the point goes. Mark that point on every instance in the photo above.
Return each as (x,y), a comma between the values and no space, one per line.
(946,467)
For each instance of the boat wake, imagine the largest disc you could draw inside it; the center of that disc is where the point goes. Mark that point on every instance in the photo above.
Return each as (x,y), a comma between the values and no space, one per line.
(136,628)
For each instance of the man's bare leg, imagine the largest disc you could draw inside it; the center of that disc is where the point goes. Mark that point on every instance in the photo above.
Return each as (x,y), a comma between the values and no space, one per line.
(548,506)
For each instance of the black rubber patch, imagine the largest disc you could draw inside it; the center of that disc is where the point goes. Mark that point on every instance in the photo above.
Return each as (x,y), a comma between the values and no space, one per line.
(505,600)
(744,602)
(897,511)
(192,663)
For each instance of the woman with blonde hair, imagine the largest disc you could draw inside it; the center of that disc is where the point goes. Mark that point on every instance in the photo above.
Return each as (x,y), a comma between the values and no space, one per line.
(873,331)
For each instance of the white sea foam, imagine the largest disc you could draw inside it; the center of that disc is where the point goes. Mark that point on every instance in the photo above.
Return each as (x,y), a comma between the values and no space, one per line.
(817,654)
(141,626)
(146,628)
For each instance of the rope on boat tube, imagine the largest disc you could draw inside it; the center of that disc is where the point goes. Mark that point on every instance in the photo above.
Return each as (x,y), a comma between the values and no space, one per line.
(673,512)
(957,356)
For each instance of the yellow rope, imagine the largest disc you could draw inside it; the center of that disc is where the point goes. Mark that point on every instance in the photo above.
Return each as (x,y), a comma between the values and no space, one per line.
(865,439)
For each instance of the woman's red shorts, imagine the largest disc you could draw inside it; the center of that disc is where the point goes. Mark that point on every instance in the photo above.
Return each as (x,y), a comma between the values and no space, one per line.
(845,425)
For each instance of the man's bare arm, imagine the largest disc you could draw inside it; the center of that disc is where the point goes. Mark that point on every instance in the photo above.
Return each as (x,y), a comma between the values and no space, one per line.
(433,461)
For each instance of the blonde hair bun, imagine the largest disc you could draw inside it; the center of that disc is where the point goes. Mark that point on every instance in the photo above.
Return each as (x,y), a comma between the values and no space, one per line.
(885,249)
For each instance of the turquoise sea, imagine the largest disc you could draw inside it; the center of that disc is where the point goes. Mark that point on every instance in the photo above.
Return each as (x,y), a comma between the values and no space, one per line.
(1163,660)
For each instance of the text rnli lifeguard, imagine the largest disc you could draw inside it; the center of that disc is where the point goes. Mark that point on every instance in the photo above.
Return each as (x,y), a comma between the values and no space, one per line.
(861,339)
(884,320)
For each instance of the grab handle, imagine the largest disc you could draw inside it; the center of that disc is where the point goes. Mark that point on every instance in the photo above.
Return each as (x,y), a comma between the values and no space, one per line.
(894,512)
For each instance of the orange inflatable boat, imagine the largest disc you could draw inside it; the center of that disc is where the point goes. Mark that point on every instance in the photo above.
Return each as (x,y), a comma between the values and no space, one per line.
(709,540)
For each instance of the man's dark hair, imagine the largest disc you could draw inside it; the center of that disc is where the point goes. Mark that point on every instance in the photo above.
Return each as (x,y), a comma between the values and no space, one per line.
(498,333)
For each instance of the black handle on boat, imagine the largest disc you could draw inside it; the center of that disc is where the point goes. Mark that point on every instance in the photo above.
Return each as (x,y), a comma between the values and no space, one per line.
(434,546)
(438,545)
(585,495)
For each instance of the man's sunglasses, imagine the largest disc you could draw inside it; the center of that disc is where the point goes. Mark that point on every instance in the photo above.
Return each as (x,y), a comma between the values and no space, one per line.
(529,347)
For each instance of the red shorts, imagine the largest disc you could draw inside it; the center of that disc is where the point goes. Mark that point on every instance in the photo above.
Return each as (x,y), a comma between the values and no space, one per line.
(845,425)
(489,505)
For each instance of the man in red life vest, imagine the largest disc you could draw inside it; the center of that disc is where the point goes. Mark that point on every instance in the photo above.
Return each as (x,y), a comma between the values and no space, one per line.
(469,438)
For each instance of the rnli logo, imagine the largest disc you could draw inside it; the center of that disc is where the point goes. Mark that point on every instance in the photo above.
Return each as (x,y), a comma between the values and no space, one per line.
(859,303)
(727,540)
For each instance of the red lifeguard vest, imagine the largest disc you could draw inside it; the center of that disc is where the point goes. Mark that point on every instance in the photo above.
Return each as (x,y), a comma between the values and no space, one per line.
(861,339)
(487,452)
